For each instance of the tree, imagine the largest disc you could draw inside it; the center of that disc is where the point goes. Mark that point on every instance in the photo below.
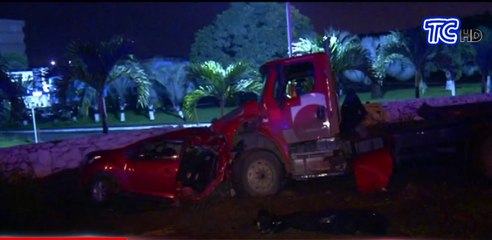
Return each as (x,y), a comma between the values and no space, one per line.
(120,89)
(12,90)
(93,63)
(346,52)
(126,76)
(420,53)
(390,49)
(251,32)
(172,77)
(484,54)
(81,95)
(218,82)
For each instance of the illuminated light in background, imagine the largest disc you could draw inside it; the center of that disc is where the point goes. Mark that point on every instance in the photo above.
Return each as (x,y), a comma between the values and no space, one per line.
(37,93)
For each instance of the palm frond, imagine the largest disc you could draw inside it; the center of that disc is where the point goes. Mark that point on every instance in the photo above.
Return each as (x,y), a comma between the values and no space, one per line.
(379,66)
(190,101)
(249,85)
(132,69)
(88,95)
(235,72)
(306,46)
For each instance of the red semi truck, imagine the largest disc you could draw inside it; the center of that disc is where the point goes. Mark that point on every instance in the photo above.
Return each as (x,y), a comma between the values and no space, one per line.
(297,130)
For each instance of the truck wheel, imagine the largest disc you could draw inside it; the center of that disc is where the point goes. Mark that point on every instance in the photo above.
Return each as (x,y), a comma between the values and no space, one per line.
(102,191)
(257,174)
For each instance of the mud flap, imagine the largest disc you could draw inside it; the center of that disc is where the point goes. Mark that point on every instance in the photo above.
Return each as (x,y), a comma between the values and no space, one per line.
(372,170)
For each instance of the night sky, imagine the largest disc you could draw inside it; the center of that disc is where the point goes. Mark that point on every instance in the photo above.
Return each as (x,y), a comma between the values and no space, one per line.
(167,29)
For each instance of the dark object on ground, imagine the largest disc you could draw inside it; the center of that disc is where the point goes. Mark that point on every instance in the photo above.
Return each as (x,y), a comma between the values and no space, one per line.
(341,221)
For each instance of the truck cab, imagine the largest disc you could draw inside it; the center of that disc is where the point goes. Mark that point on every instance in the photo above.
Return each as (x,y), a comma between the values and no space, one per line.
(292,130)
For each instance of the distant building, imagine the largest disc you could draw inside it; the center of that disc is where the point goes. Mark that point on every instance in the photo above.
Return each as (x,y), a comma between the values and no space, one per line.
(12,46)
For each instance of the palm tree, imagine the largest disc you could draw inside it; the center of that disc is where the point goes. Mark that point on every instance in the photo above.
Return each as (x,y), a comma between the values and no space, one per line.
(390,49)
(153,103)
(93,63)
(172,77)
(346,52)
(420,53)
(484,54)
(80,95)
(123,78)
(453,60)
(120,89)
(218,82)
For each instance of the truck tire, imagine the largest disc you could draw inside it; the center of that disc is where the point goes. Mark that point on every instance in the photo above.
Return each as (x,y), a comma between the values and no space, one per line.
(257,174)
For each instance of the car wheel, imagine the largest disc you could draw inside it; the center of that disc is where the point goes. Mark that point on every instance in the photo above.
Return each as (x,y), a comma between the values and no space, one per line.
(258,174)
(102,190)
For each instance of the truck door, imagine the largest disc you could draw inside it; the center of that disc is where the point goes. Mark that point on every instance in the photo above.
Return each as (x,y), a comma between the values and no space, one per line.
(298,111)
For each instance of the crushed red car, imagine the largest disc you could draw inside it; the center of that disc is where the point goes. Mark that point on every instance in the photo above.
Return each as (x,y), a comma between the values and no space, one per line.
(186,163)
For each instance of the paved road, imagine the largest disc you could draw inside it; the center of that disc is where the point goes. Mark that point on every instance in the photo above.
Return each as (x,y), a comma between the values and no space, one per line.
(45,135)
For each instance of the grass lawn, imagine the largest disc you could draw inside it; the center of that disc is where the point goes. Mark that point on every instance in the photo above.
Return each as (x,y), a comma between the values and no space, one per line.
(132,118)
(207,114)
(432,91)
(12,140)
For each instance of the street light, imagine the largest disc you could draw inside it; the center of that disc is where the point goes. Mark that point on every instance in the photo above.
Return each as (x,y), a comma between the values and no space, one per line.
(32,102)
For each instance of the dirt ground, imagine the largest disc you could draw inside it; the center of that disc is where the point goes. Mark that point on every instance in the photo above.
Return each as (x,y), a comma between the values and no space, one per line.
(437,201)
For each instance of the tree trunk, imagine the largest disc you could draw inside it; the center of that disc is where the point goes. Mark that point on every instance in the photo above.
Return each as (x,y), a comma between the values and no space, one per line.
(122,113)
(450,84)
(376,90)
(97,116)
(418,78)
(488,83)
(102,111)
(17,108)
(151,112)
(222,104)
(484,76)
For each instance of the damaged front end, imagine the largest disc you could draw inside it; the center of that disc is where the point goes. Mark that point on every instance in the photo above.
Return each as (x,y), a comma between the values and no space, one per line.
(203,165)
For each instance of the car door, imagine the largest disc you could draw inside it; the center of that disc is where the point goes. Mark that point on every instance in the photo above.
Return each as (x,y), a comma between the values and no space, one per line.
(155,165)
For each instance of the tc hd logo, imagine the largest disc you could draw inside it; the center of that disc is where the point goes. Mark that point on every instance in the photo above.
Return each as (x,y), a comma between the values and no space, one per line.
(447,31)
